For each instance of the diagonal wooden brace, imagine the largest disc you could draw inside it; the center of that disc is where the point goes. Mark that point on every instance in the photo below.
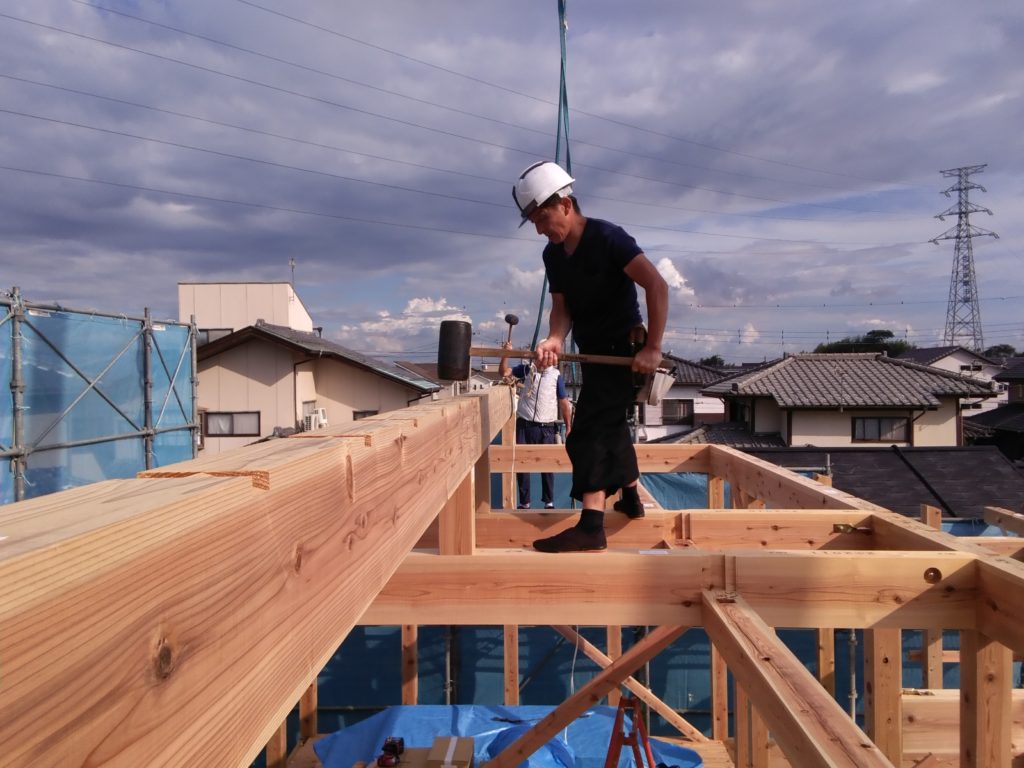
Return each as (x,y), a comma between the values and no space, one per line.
(586,697)
(642,692)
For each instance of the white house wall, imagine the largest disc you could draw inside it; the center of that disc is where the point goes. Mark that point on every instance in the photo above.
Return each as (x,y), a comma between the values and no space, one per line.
(767,416)
(239,305)
(343,389)
(249,377)
(833,429)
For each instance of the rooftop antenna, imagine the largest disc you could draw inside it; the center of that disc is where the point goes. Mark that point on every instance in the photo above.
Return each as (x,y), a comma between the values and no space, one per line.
(963,312)
(291,264)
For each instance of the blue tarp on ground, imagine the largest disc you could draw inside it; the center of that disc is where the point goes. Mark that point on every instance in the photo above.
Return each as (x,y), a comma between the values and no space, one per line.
(584,744)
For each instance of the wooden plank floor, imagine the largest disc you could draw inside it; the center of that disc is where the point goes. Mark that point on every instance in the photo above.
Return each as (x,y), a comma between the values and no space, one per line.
(713,753)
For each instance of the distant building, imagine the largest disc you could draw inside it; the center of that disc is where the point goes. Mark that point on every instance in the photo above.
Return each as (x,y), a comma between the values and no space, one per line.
(259,378)
(965,362)
(684,406)
(866,399)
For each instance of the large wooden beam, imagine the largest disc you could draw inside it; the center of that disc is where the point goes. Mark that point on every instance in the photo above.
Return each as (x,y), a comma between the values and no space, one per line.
(553,458)
(587,696)
(178,620)
(806,722)
(707,529)
(790,589)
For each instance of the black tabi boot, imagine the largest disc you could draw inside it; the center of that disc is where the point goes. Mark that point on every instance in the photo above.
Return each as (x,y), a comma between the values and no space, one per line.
(586,536)
(630,503)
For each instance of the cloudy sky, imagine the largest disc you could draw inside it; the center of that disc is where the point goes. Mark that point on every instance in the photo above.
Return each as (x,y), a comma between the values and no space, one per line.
(779,161)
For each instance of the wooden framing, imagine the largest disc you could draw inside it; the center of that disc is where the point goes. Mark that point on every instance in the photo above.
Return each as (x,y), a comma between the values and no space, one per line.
(126,600)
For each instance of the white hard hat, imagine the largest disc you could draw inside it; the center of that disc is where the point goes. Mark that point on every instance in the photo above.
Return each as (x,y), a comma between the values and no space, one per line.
(537,183)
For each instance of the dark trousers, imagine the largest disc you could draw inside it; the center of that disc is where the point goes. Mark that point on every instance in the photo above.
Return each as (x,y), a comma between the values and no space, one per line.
(600,445)
(535,433)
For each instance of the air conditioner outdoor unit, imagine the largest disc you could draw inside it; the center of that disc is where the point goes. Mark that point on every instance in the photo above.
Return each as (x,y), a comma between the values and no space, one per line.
(321,413)
(311,422)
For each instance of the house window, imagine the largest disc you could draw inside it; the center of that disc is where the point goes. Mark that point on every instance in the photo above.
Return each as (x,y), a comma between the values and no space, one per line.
(357,415)
(880,429)
(237,424)
(206,335)
(677,411)
(971,367)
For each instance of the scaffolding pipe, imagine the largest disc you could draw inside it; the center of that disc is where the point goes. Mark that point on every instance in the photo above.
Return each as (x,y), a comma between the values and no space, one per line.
(17,396)
(193,336)
(147,380)
(89,441)
(852,649)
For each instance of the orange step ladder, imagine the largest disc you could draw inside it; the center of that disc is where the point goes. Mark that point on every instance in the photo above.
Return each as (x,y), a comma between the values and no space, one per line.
(635,739)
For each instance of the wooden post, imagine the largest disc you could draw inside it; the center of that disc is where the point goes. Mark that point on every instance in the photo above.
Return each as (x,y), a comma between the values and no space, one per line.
(932,661)
(308,713)
(827,659)
(759,739)
(512,664)
(986,669)
(482,483)
(883,685)
(742,736)
(508,479)
(410,664)
(457,521)
(614,651)
(719,696)
(716,492)
(277,747)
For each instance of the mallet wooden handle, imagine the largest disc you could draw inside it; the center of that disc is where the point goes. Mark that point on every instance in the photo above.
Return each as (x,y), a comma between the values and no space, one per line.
(569,357)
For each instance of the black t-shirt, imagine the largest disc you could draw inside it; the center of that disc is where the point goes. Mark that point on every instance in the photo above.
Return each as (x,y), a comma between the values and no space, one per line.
(600,296)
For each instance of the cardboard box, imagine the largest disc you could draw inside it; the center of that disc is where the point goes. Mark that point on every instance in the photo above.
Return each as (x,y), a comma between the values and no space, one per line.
(451,752)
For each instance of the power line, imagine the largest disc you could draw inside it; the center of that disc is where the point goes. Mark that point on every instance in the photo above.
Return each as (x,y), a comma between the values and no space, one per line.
(328,174)
(550,103)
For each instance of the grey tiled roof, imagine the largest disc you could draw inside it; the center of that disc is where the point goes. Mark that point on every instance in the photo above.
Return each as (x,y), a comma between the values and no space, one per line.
(1013,372)
(688,372)
(930,355)
(729,433)
(1008,418)
(850,380)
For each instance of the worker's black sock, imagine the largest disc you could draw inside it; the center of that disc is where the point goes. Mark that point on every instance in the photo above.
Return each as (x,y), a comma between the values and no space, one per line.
(630,503)
(591,520)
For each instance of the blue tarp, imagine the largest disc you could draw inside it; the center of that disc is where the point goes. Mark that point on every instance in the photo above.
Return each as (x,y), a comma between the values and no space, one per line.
(584,744)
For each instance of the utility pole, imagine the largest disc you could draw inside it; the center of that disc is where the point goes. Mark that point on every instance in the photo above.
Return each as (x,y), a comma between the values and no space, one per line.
(963,313)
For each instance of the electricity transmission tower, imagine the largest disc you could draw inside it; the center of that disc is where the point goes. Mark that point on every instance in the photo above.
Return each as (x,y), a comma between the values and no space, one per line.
(963,313)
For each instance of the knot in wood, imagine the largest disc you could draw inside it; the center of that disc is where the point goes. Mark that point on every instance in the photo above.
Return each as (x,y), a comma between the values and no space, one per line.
(163,662)
(297,558)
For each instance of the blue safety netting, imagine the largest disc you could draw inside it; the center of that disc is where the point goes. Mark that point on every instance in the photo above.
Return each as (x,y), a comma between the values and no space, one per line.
(583,744)
(84,406)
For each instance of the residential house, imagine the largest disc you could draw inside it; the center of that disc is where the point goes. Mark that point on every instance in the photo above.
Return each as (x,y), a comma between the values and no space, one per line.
(684,406)
(1004,426)
(258,379)
(867,399)
(479,378)
(963,361)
